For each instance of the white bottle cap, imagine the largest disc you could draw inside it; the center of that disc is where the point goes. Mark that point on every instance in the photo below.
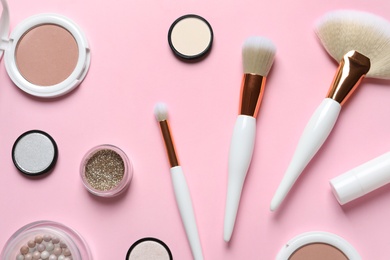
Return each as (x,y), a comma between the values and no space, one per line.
(362,179)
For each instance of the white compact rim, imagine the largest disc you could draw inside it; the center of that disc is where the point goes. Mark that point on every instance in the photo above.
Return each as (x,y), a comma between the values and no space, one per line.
(74,79)
(317,237)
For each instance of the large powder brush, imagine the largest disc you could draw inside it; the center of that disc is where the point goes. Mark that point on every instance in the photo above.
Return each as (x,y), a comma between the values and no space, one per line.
(258,55)
(360,42)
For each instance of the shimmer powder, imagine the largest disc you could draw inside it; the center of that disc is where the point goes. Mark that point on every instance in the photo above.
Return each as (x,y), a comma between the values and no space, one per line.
(106,171)
(46,55)
(318,251)
(149,249)
(34,152)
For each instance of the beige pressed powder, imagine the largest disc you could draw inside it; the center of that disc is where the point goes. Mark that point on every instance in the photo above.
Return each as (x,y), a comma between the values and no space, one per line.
(46,55)
(190,37)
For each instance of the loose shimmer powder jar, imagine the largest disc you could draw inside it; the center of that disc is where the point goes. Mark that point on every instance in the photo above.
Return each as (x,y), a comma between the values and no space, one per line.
(106,171)
(34,153)
(318,246)
(149,249)
(46,240)
(190,37)
(46,55)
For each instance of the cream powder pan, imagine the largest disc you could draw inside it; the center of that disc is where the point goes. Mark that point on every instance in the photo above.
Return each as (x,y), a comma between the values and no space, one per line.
(47,55)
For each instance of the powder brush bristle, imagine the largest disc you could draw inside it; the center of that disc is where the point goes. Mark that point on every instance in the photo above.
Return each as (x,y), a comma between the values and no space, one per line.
(345,30)
(258,54)
(161,111)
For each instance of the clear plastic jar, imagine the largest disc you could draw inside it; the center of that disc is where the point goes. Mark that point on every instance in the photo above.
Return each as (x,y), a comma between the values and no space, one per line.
(100,168)
(59,235)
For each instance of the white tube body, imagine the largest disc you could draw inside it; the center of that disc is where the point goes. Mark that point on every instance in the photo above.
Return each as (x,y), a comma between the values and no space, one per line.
(316,132)
(362,179)
(184,203)
(240,156)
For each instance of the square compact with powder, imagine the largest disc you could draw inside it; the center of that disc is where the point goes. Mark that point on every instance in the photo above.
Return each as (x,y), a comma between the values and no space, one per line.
(46,55)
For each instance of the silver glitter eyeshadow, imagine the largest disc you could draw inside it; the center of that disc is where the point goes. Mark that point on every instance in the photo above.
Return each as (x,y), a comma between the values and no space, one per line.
(34,152)
(104,170)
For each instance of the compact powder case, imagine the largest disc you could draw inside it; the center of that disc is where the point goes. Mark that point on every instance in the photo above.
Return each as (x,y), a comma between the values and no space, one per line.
(46,55)
(34,153)
(45,240)
(149,248)
(190,37)
(318,246)
(106,171)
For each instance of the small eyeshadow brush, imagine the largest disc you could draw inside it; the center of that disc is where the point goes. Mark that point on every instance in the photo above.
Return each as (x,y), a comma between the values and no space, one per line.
(182,192)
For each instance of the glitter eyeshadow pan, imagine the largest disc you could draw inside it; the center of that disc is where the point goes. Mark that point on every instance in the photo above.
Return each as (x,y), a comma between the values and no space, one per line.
(106,171)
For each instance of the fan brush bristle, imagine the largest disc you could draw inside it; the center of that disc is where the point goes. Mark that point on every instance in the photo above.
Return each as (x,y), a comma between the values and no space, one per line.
(258,55)
(345,30)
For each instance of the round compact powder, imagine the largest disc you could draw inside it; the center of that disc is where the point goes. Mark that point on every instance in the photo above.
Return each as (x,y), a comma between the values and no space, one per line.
(106,171)
(149,249)
(317,245)
(46,55)
(318,251)
(190,37)
(34,152)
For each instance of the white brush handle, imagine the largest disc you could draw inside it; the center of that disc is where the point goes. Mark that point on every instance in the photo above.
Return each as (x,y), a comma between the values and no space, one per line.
(314,135)
(183,199)
(240,156)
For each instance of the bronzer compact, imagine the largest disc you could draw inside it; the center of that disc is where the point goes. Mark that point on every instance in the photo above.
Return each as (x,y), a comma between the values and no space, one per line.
(46,55)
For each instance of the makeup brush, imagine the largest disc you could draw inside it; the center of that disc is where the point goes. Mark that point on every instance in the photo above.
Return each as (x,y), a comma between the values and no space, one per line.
(258,55)
(360,41)
(182,192)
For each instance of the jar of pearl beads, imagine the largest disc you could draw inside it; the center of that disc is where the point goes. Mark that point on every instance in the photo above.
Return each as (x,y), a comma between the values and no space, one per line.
(45,240)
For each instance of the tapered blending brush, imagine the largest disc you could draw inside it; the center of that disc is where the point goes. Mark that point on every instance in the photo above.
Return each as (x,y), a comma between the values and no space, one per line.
(258,55)
(360,42)
(182,192)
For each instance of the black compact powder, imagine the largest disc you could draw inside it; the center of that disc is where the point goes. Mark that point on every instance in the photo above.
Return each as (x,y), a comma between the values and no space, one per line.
(190,37)
(34,153)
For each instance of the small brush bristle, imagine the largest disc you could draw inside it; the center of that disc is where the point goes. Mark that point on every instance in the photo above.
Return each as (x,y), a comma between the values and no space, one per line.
(345,30)
(161,111)
(258,55)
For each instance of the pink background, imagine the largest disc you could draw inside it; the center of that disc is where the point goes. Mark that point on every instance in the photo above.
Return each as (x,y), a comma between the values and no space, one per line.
(133,68)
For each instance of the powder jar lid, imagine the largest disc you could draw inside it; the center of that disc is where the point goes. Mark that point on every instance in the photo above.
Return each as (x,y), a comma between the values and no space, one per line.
(43,237)
(106,171)
(190,37)
(71,71)
(34,153)
(317,237)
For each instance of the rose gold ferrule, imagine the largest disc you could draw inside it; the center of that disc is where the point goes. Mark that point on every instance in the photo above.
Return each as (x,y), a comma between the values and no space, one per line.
(352,69)
(252,91)
(169,144)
